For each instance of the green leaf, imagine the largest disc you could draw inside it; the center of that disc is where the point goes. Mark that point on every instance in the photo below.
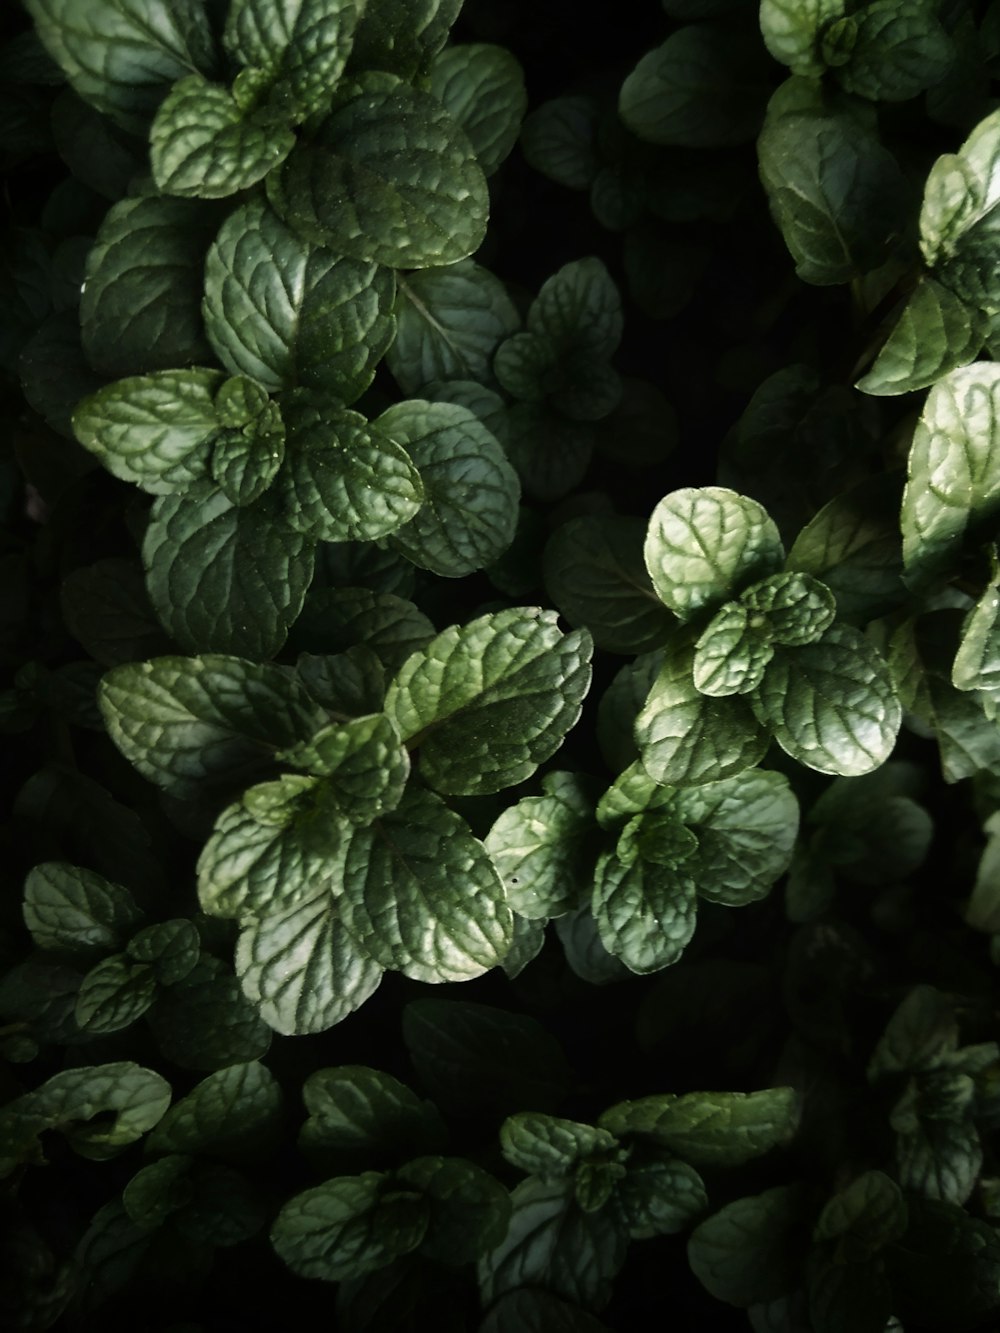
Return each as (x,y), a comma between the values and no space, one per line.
(344,479)
(550,1147)
(594,572)
(155,430)
(936,333)
(580,309)
(230,1113)
(360,1113)
(796,608)
(348,1226)
(363,764)
(558,139)
(451,321)
(900,50)
(686,737)
(204,145)
(645,913)
(752,1250)
(287,312)
(225,578)
(870,1211)
(420,894)
(387,177)
(732,653)
(489,701)
(69,909)
(245,462)
(471,492)
(482,87)
(941,1159)
(946,1269)
(105,607)
(541,848)
(553,1244)
(977,662)
(117,58)
(301,47)
(792,31)
(301,968)
(157,245)
(100,1108)
(959,217)
(184,721)
(837,195)
(114,994)
(660,1194)
(205,1022)
(469,1210)
(550,452)
(831,704)
(475,1056)
(921,1033)
(953,476)
(403,36)
(335,619)
(704,545)
(703,88)
(710,1128)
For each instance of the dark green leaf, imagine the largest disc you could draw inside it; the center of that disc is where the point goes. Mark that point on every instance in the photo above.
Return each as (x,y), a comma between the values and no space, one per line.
(469,1210)
(710,1128)
(549,1147)
(645,913)
(231,1112)
(403,36)
(360,1113)
(483,89)
(900,49)
(935,333)
(72,910)
(114,994)
(752,1249)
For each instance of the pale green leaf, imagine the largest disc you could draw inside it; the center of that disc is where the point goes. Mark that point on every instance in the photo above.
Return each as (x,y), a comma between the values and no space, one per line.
(155,430)
(187,721)
(482,86)
(471,492)
(792,29)
(977,662)
(222,577)
(420,894)
(795,608)
(936,332)
(388,176)
(732,652)
(245,462)
(301,969)
(287,312)
(363,764)
(958,219)
(487,702)
(705,545)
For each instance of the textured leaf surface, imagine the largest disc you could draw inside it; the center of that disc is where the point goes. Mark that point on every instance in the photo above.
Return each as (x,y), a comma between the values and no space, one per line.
(660,1194)
(114,994)
(710,1128)
(469,1209)
(287,312)
(354,1110)
(831,704)
(557,139)
(70,909)
(704,545)
(184,721)
(579,307)
(549,1146)
(900,50)
(301,969)
(403,36)
(645,913)
(958,220)
(732,653)
(421,895)
(471,493)
(977,662)
(227,1113)
(936,333)
(791,31)
(751,1250)
(450,322)
(482,87)
(489,701)
(222,577)
(388,176)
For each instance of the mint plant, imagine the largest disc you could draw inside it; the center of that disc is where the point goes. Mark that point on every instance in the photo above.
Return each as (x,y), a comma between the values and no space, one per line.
(501,632)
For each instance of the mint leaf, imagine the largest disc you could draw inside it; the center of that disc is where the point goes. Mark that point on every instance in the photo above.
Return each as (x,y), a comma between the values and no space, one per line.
(403,36)
(835,192)
(420,894)
(106,608)
(919,1036)
(183,722)
(386,176)
(703,88)
(155,430)
(540,847)
(205,1022)
(469,514)
(752,1249)
(645,912)
(348,1226)
(686,737)
(357,1112)
(792,31)
(977,662)
(159,245)
(301,968)
(344,479)
(450,323)
(557,139)
(287,312)
(245,462)
(900,49)
(935,333)
(710,1128)
(204,145)
(795,608)
(116,59)
(953,472)
(301,48)
(957,219)
(831,704)
(579,308)
(362,762)
(114,994)
(704,545)
(660,1194)
(732,653)
(482,86)
(594,572)
(230,1113)
(553,1244)
(469,1210)
(336,619)
(491,700)
(550,1147)
(73,910)
(222,577)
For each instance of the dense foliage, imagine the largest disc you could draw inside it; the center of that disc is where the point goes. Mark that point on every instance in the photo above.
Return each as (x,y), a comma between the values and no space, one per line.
(500,607)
